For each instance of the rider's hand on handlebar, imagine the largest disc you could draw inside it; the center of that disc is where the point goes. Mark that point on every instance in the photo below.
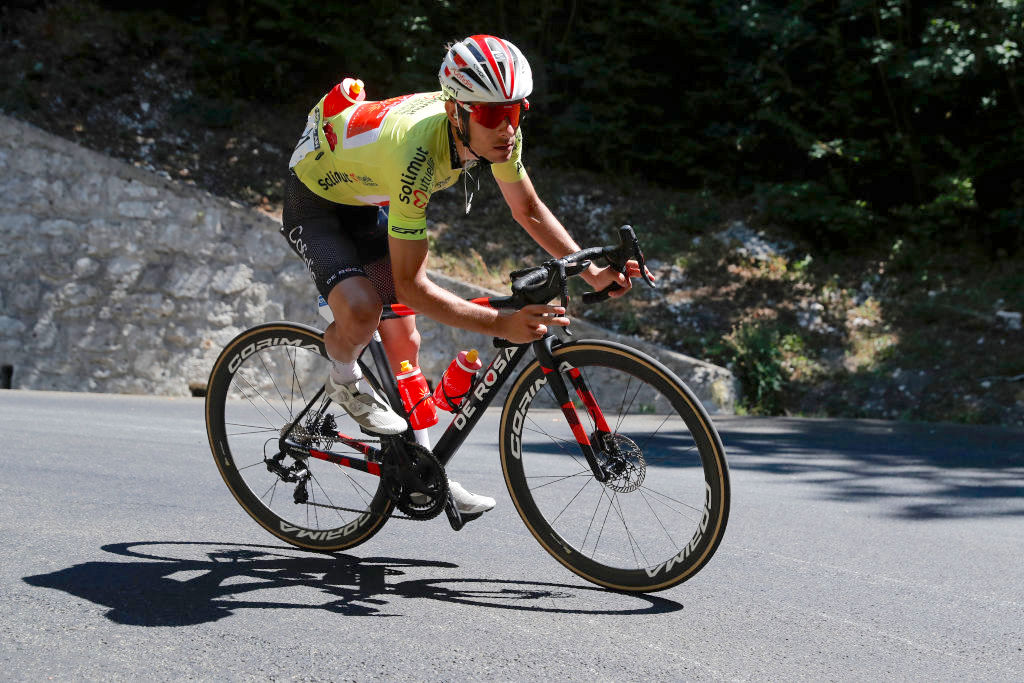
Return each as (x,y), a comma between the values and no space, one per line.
(601,278)
(529,323)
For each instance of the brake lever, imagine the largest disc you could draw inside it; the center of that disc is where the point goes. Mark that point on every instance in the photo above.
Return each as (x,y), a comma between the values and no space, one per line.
(626,233)
(644,273)
(516,274)
(563,286)
(596,297)
(617,258)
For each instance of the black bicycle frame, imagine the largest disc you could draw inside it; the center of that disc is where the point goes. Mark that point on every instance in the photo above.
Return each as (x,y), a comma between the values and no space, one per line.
(490,382)
(479,398)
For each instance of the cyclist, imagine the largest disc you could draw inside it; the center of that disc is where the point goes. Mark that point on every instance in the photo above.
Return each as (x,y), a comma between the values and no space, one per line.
(355,212)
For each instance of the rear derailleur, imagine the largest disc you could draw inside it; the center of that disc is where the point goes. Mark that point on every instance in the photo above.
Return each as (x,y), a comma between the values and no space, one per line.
(296,473)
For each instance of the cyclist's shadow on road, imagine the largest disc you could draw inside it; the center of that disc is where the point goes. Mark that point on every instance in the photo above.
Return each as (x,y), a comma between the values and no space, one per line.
(157,590)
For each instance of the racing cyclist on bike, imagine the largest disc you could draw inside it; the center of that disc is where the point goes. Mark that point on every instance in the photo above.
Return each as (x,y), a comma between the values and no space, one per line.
(355,212)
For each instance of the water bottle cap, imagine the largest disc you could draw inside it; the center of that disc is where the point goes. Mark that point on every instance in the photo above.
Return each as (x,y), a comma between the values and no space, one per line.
(406,366)
(353,89)
(469,361)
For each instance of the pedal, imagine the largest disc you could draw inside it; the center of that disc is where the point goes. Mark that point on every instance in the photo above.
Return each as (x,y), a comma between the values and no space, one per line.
(376,436)
(456,518)
(470,517)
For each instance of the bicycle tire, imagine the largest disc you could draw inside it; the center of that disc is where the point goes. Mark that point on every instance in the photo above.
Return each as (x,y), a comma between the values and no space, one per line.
(671,498)
(261,381)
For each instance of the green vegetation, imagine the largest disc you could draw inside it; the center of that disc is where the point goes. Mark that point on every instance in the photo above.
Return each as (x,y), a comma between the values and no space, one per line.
(853,120)
(881,140)
(757,362)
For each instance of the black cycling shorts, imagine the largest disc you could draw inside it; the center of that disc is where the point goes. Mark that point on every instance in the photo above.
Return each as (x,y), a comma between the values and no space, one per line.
(337,241)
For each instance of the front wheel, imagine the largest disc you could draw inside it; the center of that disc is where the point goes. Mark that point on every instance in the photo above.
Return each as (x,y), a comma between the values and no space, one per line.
(259,388)
(660,512)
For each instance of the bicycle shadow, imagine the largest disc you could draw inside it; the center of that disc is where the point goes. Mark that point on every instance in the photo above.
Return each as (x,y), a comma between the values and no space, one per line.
(158,590)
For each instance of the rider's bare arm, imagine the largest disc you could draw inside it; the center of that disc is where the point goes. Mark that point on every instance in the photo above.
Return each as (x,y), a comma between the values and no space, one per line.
(535,217)
(414,289)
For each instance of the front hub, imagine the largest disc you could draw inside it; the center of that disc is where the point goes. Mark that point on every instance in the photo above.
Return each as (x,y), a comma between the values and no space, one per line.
(622,460)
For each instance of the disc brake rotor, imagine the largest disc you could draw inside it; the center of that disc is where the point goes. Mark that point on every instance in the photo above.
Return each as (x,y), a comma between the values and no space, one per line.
(623,460)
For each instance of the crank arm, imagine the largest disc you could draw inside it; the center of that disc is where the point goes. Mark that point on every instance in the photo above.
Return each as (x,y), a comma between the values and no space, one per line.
(456,518)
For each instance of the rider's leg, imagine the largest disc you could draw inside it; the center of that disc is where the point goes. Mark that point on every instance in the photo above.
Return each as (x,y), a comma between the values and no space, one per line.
(356,307)
(334,241)
(355,303)
(401,341)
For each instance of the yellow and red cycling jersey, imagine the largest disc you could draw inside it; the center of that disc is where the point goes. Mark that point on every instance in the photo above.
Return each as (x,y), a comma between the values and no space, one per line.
(394,153)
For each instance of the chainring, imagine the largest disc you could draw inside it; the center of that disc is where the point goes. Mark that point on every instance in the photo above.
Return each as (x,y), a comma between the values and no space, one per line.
(414,470)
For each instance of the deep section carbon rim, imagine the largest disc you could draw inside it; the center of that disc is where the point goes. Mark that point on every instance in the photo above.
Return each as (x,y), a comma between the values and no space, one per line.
(259,386)
(661,512)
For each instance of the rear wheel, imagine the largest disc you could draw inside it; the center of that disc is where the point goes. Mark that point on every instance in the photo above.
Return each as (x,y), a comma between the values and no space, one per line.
(662,511)
(259,386)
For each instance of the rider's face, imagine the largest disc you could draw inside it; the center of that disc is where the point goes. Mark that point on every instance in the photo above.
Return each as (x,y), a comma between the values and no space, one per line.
(494,144)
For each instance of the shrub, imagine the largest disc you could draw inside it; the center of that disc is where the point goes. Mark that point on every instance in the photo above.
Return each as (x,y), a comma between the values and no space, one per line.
(818,214)
(756,358)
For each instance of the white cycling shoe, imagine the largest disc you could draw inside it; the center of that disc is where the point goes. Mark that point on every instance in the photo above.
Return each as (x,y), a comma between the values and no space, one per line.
(469,503)
(367,409)
(465,502)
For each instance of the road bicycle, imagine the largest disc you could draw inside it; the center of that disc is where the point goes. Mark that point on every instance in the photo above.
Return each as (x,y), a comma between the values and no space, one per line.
(609,458)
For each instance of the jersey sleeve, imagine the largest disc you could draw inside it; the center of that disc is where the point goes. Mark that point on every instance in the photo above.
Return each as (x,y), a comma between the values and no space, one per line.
(408,223)
(412,182)
(512,171)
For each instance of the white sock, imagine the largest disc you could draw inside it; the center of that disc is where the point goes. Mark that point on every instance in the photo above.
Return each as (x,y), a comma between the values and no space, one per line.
(345,373)
(422,437)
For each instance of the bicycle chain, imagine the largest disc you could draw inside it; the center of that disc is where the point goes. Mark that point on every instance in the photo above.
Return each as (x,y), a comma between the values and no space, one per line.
(415,505)
(424,507)
(362,511)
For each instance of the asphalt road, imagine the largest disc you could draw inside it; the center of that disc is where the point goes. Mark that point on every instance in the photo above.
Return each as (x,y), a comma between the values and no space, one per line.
(856,550)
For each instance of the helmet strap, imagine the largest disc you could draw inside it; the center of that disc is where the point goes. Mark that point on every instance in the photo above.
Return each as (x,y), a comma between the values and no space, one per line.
(466,178)
(462,131)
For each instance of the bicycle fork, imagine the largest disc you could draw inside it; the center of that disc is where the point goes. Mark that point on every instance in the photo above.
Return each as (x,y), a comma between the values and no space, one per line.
(549,366)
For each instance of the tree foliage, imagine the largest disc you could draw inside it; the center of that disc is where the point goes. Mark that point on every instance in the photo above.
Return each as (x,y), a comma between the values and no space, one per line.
(908,109)
(853,119)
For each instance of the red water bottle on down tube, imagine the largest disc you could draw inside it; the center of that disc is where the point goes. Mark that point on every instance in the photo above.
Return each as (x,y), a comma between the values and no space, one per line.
(457,380)
(418,402)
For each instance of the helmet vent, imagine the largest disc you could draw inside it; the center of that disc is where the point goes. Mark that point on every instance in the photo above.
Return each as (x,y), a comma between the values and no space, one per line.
(475,77)
(484,68)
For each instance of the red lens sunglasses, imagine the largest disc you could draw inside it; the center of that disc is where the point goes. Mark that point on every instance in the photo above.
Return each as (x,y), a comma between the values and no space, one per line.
(491,115)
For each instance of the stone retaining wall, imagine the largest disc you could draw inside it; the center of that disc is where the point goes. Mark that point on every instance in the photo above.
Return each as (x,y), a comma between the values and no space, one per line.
(114,279)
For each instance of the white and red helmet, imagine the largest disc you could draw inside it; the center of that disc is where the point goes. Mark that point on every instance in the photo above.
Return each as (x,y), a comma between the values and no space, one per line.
(484,68)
